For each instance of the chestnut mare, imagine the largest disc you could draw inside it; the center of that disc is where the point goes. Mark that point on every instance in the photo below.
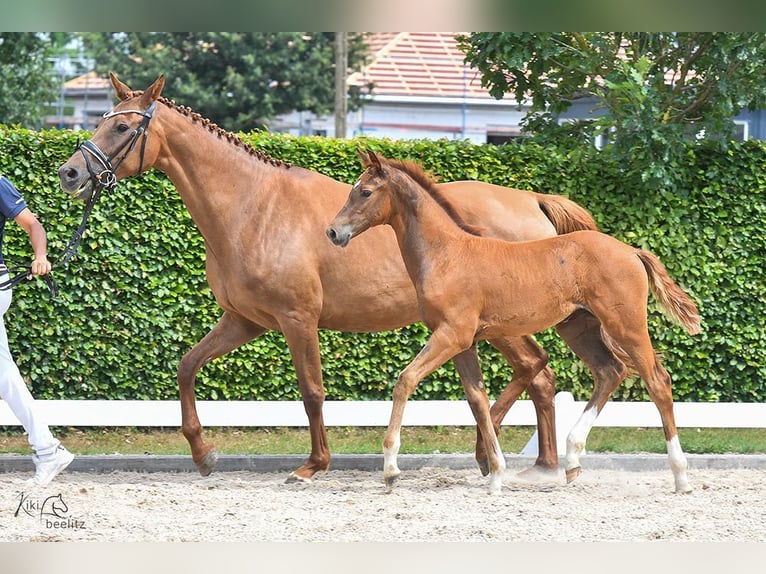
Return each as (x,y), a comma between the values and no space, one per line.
(472,288)
(270,266)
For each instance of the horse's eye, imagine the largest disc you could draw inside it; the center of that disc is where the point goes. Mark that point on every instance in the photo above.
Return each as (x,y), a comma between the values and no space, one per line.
(366,192)
(122,128)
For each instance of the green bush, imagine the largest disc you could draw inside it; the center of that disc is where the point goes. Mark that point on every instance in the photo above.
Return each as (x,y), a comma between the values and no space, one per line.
(135,298)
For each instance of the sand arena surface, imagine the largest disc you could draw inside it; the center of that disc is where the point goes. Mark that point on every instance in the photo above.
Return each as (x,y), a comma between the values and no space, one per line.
(434,505)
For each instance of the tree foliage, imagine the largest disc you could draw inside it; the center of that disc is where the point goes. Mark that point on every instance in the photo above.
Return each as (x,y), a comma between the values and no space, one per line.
(27,82)
(651,90)
(237,79)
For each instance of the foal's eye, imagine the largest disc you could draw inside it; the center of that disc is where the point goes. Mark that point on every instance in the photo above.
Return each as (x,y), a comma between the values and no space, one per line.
(366,192)
(122,128)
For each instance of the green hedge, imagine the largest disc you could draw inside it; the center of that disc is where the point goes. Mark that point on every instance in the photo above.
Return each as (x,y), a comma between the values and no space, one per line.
(135,297)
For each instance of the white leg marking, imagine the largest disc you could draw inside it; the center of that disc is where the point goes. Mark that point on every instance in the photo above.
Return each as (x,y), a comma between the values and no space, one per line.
(390,466)
(496,476)
(678,465)
(577,437)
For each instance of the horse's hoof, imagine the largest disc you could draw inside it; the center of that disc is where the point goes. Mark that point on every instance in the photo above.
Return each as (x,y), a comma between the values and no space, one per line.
(294,478)
(208,463)
(683,489)
(483,466)
(573,473)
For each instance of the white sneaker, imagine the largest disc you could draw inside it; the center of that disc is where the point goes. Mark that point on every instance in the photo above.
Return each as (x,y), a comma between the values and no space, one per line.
(49,466)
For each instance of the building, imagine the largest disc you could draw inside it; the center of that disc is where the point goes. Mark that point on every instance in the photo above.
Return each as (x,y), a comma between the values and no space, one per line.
(422,89)
(82,102)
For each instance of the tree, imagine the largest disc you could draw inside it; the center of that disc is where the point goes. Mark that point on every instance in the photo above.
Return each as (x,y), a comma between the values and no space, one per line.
(237,79)
(652,91)
(27,82)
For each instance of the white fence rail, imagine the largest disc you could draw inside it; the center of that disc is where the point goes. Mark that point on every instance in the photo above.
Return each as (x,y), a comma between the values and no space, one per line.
(372,413)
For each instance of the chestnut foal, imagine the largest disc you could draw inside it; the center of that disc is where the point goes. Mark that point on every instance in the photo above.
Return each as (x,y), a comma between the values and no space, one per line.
(471,288)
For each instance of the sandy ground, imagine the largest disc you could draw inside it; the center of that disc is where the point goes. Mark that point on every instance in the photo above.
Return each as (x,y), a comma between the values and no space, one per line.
(433,505)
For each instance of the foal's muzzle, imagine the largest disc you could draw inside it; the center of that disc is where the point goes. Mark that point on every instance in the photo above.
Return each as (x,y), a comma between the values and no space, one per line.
(338,237)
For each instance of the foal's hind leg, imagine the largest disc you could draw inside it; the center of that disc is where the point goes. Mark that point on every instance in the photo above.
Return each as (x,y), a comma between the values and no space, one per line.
(467,364)
(582,332)
(532,373)
(629,331)
(658,383)
(230,332)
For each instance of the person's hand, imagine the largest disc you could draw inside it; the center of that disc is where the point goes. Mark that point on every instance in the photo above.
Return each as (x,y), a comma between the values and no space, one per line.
(41,266)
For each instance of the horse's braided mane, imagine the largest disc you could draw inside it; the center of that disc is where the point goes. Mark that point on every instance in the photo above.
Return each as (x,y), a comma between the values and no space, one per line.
(428,183)
(217,130)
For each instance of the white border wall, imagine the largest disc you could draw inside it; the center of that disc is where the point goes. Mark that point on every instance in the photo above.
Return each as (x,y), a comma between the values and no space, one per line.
(372,413)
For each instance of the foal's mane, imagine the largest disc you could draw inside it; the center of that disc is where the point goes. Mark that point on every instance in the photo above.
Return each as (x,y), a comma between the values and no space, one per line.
(428,183)
(217,130)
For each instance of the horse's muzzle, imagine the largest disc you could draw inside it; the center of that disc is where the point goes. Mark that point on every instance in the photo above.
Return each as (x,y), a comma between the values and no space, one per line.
(75,183)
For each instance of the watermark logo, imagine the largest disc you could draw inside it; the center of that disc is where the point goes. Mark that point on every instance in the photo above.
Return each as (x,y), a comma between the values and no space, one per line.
(52,511)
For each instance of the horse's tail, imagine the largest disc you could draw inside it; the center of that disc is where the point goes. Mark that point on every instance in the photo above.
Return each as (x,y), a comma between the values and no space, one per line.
(565,215)
(674,300)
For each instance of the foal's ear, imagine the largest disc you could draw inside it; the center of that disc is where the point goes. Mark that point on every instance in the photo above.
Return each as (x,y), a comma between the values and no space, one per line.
(121,90)
(364,157)
(374,162)
(152,93)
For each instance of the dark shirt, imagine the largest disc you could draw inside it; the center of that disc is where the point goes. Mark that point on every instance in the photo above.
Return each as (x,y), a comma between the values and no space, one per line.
(11,204)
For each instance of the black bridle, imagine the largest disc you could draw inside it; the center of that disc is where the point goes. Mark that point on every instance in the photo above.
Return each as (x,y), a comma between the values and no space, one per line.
(102,177)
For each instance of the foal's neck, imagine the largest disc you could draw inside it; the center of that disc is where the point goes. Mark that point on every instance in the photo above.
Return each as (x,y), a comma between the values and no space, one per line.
(423,229)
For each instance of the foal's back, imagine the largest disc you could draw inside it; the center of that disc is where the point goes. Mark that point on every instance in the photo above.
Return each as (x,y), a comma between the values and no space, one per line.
(526,287)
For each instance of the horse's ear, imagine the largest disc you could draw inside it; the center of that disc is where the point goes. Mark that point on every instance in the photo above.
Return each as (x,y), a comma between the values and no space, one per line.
(121,90)
(152,93)
(364,157)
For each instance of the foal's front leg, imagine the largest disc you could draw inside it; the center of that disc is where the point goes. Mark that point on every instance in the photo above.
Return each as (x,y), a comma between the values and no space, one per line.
(440,348)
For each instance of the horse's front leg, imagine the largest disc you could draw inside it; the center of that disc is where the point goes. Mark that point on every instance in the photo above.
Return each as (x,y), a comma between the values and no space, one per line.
(531,373)
(230,332)
(467,364)
(302,336)
(440,348)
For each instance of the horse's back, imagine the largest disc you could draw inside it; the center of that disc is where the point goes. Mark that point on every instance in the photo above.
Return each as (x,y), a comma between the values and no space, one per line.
(501,212)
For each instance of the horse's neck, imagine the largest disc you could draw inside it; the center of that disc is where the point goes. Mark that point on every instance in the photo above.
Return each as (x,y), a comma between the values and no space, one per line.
(424,232)
(212,176)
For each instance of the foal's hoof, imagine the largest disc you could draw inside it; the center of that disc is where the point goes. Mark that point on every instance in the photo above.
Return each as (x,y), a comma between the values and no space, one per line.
(573,473)
(294,478)
(208,463)
(391,480)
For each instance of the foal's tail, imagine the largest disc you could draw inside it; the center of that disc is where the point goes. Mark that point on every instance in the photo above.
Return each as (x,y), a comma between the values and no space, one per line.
(674,300)
(565,215)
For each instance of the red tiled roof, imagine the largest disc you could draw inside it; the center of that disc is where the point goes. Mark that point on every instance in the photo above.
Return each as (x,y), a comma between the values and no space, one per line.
(418,64)
(90,81)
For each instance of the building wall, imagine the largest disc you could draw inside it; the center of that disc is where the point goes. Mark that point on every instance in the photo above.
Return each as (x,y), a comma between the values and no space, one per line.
(416,118)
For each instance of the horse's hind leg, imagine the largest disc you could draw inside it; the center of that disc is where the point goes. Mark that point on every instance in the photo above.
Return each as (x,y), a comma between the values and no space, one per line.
(582,332)
(467,364)
(532,373)
(229,333)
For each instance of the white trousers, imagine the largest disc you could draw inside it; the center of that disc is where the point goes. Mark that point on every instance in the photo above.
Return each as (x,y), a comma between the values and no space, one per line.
(14,391)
